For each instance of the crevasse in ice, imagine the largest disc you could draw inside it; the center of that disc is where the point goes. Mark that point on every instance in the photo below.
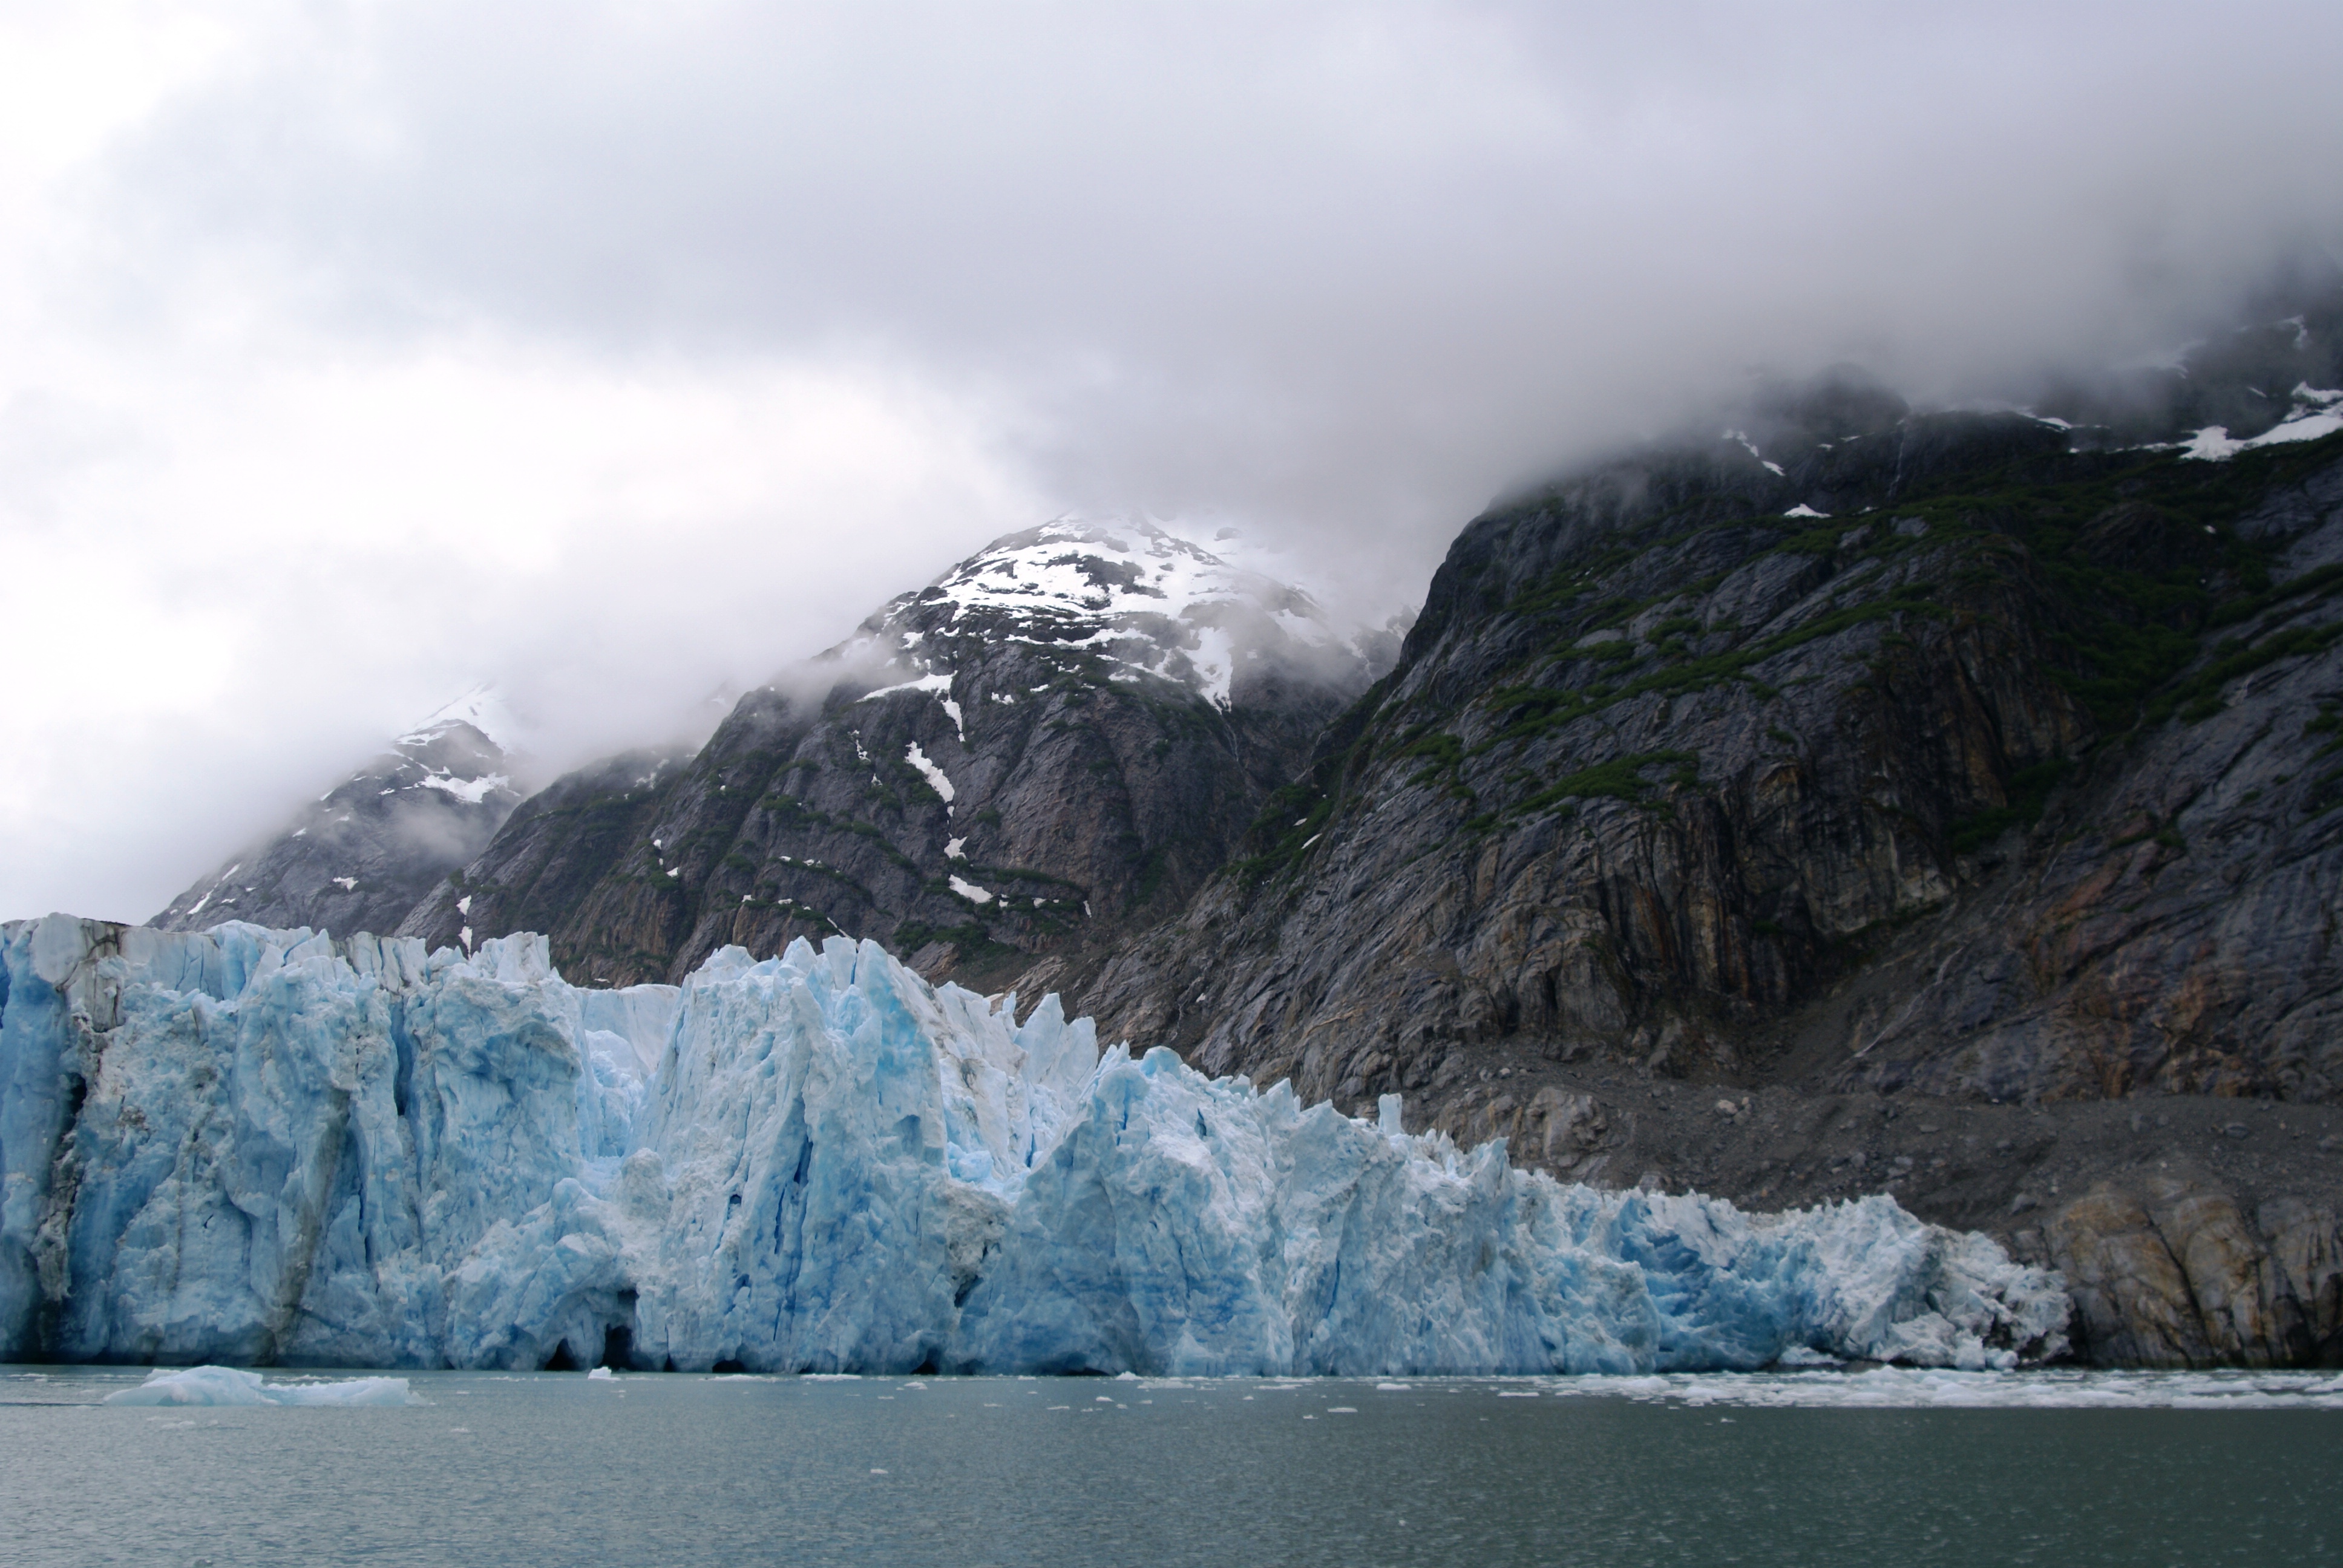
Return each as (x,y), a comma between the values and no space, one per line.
(252,1145)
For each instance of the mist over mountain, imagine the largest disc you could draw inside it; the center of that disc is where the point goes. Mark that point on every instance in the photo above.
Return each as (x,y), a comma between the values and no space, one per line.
(359,857)
(1741,599)
(355,356)
(1057,739)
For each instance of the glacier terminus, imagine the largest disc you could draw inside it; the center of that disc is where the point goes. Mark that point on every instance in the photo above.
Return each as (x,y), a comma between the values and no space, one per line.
(276,1147)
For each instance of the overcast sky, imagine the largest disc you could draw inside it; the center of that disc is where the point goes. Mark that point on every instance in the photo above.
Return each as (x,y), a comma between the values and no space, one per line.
(353,353)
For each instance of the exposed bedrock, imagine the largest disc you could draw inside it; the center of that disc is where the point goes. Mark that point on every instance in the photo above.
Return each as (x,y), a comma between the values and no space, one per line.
(1056,742)
(1921,760)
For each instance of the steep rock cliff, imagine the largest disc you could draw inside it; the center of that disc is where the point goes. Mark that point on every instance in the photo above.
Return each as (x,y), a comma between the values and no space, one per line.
(1968,757)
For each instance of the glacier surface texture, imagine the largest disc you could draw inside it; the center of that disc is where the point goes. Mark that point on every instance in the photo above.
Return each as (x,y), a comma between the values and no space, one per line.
(260,1147)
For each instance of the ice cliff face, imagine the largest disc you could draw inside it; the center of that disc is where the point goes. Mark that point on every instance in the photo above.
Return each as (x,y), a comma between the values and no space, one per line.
(254,1145)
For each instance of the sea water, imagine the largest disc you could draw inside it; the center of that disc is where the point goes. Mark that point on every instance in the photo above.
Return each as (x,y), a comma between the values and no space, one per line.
(1811,1468)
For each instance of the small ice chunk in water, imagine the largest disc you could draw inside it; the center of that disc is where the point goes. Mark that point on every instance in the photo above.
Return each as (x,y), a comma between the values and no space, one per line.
(212,1385)
(601,1374)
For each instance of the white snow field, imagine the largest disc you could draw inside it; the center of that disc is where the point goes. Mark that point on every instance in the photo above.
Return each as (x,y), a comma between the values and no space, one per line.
(252,1146)
(1121,589)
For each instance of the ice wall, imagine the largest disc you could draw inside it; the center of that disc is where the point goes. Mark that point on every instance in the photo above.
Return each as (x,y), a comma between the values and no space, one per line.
(261,1146)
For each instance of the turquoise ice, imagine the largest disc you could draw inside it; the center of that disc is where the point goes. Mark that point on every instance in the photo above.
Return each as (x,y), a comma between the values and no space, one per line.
(265,1147)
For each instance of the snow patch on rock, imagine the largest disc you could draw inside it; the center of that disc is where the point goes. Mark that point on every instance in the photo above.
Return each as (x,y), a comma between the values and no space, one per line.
(935,776)
(471,791)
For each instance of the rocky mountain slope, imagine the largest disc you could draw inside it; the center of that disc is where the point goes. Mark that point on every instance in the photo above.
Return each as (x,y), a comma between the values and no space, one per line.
(1059,739)
(1732,797)
(362,855)
(1854,801)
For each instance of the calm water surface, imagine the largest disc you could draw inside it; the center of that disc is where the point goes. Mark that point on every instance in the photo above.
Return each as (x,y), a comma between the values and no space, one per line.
(680,1470)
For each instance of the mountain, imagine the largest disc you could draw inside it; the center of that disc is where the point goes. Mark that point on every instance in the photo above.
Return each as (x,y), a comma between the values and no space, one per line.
(1840,799)
(1862,799)
(359,858)
(998,775)
(2239,384)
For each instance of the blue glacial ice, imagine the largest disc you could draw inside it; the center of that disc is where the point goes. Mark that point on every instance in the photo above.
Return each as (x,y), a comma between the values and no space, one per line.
(252,1145)
(210,1385)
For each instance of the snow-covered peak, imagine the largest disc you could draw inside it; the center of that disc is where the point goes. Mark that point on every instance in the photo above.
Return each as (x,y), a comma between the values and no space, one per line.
(1124,589)
(1073,570)
(482,708)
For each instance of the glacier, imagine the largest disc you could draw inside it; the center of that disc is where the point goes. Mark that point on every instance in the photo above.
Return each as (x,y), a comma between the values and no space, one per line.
(256,1147)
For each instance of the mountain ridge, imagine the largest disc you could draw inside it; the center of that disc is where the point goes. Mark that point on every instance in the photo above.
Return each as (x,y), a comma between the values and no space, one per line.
(1849,800)
(1699,832)
(1056,736)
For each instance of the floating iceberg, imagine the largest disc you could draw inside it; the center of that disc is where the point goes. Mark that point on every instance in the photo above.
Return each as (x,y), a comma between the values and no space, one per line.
(229,1385)
(265,1146)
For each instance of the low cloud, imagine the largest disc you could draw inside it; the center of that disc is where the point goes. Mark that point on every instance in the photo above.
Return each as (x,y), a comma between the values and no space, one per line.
(615,352)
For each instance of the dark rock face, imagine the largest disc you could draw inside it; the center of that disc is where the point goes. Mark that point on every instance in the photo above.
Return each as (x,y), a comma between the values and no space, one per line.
(360,858)
(1062,737)
(1937,755)
(550,854)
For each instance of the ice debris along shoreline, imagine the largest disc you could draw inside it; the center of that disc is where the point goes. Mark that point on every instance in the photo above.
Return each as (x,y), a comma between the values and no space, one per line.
(252,1146)
(1904,1388)
(209,1385)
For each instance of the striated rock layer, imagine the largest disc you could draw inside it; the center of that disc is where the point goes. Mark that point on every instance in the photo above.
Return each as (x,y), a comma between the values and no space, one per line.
(2046,769)
(254,1145)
